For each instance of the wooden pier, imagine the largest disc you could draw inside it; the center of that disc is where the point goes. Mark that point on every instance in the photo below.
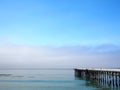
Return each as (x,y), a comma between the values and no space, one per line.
(108,77)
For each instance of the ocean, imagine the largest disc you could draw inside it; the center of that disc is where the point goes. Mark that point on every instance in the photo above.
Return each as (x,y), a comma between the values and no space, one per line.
(44,79)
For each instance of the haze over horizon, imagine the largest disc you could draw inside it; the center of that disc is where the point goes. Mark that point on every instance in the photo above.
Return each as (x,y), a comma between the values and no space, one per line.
(59,33)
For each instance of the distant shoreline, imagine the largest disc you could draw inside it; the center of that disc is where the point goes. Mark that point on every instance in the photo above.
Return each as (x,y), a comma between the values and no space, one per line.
(36,68)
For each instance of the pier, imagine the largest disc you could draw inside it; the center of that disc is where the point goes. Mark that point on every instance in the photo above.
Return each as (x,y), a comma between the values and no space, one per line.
(105,77)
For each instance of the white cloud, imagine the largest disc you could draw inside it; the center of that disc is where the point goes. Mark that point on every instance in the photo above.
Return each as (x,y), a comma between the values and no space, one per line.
(63,57)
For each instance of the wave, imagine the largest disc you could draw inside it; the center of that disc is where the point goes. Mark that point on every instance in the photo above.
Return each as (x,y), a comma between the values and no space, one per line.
(5,75)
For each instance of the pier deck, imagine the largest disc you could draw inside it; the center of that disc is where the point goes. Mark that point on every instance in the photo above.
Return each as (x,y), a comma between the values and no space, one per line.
(101,69)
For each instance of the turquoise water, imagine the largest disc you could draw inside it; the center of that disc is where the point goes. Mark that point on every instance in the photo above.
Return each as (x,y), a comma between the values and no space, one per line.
(43,79)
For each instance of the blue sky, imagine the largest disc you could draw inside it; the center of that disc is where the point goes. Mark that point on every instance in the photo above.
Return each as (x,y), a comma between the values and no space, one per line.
(51,33)
(60,22)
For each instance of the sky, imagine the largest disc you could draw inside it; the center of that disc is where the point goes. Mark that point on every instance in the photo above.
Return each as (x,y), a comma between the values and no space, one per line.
(59,33)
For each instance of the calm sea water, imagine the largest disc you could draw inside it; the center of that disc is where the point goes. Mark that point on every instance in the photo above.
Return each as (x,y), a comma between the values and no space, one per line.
(44,79)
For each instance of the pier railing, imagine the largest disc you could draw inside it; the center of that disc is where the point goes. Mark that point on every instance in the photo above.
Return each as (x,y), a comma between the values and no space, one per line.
(109,77)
